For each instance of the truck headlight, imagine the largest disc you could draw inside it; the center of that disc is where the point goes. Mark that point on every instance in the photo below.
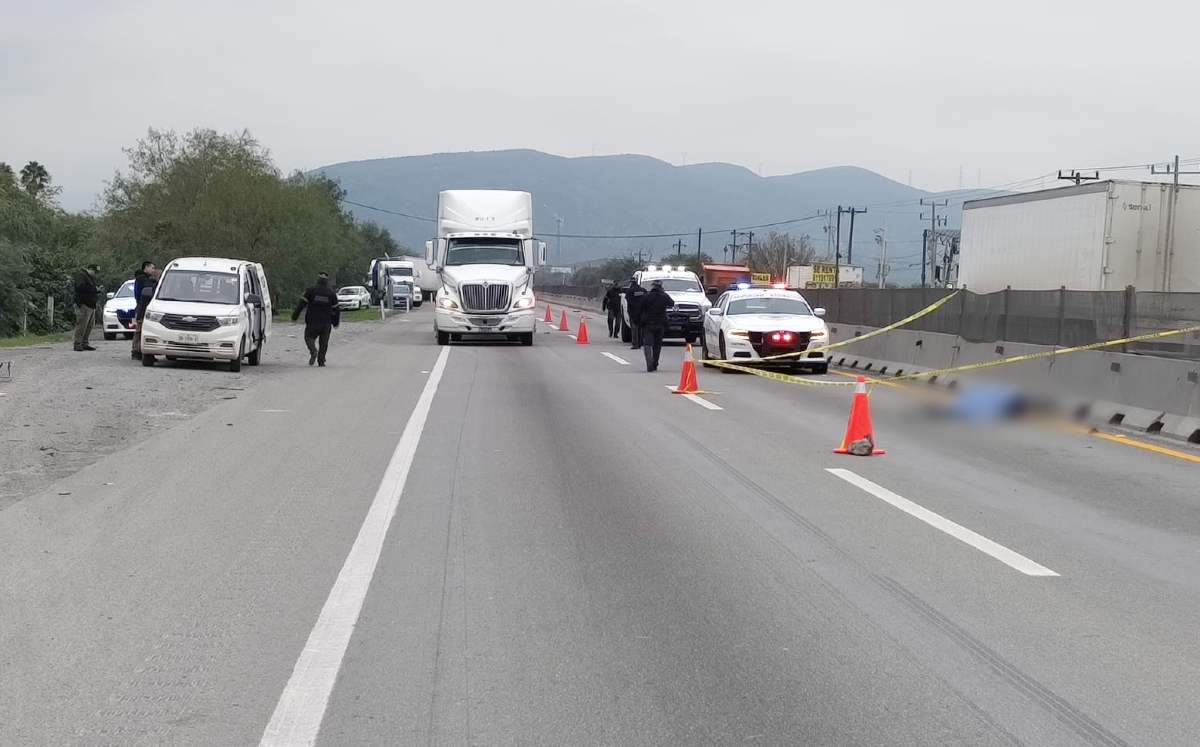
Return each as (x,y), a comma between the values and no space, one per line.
(154,316)
(524,302)
(229,321)
(446,302)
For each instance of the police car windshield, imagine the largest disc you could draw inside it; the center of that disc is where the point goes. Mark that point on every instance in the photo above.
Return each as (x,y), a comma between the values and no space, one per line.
(769,306)
(679,285)
(126,291)
(484,251)
(199,286)
(349,290)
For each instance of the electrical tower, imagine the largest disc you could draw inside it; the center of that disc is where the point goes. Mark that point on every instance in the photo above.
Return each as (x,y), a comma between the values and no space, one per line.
(930,243)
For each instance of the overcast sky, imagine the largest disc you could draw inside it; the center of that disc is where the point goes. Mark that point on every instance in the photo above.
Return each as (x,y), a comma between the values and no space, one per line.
(1004,90)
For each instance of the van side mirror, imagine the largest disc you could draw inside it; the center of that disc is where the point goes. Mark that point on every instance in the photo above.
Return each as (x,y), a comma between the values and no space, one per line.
(254,300)
(819,311)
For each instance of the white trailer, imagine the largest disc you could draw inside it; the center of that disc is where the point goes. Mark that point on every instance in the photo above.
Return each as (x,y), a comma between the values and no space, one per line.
(485,256)
(1099,236)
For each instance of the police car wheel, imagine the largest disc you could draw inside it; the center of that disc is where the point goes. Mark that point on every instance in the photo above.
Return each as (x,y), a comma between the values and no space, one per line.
(110,335)
(721,342)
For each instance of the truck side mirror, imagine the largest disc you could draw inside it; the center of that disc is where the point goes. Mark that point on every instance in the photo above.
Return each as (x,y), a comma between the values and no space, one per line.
(429,258)
(542,253)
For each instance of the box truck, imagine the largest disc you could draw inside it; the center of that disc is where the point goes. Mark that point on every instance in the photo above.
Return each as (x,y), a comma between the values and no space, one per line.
(485,256)
(1099,236)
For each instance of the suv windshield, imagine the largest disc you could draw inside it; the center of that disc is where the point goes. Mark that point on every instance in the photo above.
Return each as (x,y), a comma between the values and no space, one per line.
(769,306)
(484,251)
(199,286)
(679,285)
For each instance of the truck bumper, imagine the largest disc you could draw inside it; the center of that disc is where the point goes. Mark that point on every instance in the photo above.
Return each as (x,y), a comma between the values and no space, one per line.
(458,323)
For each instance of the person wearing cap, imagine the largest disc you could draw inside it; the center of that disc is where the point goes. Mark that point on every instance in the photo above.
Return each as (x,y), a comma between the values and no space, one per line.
(653,317)
(321,314)
(612,304)
(86,294)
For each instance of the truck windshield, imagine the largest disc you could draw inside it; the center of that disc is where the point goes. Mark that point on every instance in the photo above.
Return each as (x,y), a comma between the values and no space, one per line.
(679,285)
(403,271)
(484,250)
(199,286)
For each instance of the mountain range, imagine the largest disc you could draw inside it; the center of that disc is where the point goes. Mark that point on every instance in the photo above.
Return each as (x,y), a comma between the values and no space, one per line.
(634,194)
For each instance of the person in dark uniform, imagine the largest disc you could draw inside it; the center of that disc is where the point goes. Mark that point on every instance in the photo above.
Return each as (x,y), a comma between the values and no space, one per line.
(87,292)
(633,299)
(612,304)
(321,314)
(144,282)
(654,323)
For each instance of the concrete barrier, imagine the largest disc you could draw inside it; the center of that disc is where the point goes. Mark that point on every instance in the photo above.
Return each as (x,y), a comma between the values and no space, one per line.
(1157,395)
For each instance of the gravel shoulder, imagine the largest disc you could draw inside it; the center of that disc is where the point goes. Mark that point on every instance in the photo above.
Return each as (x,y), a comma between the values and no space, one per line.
(62,410)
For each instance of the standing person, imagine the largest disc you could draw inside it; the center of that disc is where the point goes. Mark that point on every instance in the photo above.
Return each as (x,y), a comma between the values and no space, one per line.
(145,281)
(321,314)
(633,300)
(654,322)
(612,303)
(86,294)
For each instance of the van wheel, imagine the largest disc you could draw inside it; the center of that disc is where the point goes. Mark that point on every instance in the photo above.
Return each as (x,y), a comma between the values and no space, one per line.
(147,360)
(443,338)
(256,356)
(235,365)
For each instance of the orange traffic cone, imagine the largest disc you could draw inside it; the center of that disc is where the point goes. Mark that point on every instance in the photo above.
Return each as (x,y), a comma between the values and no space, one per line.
(582,338)
(562,323)
(549,315)
(688,383)
(860,435)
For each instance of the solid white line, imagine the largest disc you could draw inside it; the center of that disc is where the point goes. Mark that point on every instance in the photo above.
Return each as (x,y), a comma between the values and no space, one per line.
(301,707)
(937,521)
(274,410)
(697,399)
(616,358)
(571,336)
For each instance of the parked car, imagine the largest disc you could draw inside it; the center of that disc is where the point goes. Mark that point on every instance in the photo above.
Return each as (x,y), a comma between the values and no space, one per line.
(118,312)
(354,297)
(208,308)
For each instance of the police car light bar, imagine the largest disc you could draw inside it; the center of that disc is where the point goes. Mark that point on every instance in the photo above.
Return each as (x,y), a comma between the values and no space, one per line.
(743,286)
(651,268)
(666,268)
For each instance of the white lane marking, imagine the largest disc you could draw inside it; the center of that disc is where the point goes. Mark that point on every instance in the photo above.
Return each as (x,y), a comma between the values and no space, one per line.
(697,399)
(272,410)
(571,336)
(616,358)
(937,521)
(301,707)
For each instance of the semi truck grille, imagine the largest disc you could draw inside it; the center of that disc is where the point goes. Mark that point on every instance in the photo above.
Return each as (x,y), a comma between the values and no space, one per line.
(478,298)
(190,323)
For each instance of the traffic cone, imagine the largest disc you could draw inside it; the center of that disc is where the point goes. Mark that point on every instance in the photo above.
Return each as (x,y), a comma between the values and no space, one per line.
(582,338)
(562,323)
(549,315)
(688,383)
(860,435)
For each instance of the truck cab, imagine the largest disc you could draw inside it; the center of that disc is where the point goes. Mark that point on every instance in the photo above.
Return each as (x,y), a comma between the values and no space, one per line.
(485,256)
(686,318)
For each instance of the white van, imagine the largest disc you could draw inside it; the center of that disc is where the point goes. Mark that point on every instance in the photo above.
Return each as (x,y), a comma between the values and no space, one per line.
(208,308)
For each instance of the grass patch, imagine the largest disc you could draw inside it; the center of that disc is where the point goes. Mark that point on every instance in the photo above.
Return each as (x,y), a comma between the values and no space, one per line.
(28,340)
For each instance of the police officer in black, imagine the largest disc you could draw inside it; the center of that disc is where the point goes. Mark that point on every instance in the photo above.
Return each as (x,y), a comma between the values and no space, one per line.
(654,322)
(633,301)
(612,304)
(321,314)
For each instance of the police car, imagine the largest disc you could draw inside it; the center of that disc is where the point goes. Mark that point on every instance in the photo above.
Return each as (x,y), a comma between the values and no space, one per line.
(749,324)
(686,318)
(118,312)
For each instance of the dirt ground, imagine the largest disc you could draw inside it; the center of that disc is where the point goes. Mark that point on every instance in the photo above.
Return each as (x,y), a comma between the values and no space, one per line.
(62,410)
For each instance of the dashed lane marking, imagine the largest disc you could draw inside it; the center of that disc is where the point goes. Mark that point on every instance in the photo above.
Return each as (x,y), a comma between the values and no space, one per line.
(616,358)
(697,399)
(1009,557)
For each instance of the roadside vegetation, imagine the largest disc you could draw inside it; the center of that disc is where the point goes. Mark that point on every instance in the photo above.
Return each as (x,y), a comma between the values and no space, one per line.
(201,193)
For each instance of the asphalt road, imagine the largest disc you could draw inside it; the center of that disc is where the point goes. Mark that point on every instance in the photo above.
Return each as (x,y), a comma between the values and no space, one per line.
(577,556)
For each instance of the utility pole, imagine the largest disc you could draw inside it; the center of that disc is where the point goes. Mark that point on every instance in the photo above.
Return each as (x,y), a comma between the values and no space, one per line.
(1078,176)
(881,239)
(699,236)
(850,244)
(837,249)
(924,244)
(828,229)
(749,249)
(931,247)
(559,235)
(679,245)
(1169,255)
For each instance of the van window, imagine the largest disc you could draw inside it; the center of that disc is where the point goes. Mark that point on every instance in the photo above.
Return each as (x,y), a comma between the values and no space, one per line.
(199,286)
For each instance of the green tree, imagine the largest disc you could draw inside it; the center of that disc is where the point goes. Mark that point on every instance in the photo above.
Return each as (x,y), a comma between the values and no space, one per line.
(35,179)
(8,178)
(774,254)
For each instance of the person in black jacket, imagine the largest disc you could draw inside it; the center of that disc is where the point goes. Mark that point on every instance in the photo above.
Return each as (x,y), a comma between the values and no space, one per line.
(633,300)
(321,314)
(145,281)
(612,304)
(86,294)
(653,316)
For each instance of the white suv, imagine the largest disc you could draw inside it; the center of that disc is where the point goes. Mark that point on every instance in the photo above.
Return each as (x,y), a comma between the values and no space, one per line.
(209,309)
(686,318)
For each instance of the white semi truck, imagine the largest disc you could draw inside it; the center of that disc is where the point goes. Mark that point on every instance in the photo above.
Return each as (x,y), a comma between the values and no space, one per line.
(388,271)
(485,256)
